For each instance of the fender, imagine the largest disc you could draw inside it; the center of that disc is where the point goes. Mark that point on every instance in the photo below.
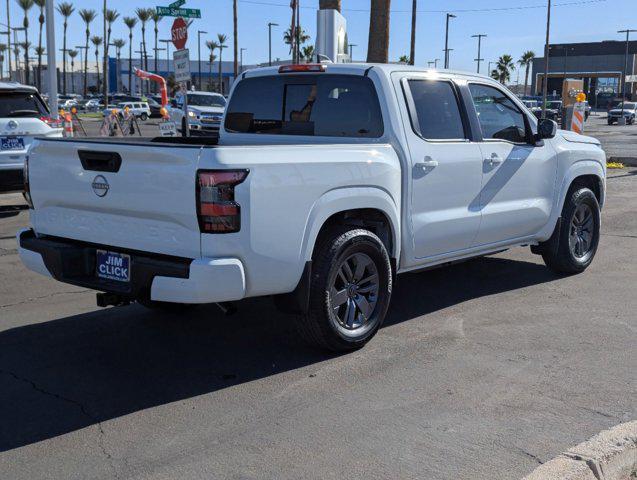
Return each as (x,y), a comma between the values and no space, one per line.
(577,169)
(350,198)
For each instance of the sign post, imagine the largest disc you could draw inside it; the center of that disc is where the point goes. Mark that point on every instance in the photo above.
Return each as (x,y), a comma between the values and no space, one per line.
(181,60)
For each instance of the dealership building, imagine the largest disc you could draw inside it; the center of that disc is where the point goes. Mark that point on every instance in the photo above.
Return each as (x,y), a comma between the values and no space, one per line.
(599,64)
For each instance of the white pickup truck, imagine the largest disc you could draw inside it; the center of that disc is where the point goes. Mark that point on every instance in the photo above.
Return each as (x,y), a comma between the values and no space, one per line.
(325,182)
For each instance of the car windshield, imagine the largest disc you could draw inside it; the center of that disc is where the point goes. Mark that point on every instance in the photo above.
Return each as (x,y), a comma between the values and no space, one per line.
(555,105)
(628,106)
(198,100)
(21,104)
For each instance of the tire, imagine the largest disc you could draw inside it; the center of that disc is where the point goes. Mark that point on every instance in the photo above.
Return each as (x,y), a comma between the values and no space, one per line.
(631,120)
(578,234)
(610,122)
(336,318)
(144,117)
(183,127)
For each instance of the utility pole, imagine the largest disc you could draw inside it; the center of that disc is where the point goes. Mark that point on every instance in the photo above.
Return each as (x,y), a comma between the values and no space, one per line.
(449,15)
(64,51)
(270,25)
(199,32)
(622,119)
(83,52)
(351,51)
(9,39)
(141,67)
(51,69)
(479,36)
(167,41)
(545,86)
(436,60)
(412,50)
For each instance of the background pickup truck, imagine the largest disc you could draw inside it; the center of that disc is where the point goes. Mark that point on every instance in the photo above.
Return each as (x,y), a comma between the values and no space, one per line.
(325,182)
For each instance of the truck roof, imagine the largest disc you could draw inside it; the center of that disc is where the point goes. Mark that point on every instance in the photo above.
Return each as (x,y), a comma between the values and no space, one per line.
(361,68)
(16,87)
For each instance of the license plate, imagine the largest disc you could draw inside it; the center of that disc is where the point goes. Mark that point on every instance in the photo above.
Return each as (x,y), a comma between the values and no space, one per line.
(12,143)
(113,266)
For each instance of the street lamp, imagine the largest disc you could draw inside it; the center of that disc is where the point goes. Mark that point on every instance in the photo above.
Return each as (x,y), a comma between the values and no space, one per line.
(199,32)
(622,119)
(545,86)
(270,25)
(83,52)
(479,36)
(241,58)
(167,41)
(351,54)
(449,15)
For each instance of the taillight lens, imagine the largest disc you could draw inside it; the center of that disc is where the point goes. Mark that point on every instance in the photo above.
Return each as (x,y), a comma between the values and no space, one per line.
(302,67)
(25,177)
(52,122)
(216,207)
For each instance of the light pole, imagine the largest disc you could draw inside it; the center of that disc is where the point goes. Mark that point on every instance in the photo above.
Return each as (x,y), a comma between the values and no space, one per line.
(436,60)
(199,32)
(159,49)
(429,64)
(50,57)
(351,48)
(83,51)
(479,36)
(167,41)
(16,49)
(270,25)
(622,119)
(241,58)
(545,86)
(449,15)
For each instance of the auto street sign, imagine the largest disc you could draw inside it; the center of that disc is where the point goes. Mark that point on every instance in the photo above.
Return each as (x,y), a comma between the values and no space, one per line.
(177,4)
(181,60)
(178,12)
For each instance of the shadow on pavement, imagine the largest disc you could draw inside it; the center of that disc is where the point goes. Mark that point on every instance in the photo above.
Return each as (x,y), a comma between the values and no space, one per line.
(11,210)
(66,374)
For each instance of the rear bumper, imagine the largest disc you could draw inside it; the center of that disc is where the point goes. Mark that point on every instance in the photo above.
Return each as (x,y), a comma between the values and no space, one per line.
(158,277)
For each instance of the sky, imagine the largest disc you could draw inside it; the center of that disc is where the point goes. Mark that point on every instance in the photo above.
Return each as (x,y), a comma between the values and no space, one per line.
(512,26)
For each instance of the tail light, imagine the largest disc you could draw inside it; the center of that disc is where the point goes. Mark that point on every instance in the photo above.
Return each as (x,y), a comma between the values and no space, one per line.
(52,122)
(216,208)
(302,67)
(25,177)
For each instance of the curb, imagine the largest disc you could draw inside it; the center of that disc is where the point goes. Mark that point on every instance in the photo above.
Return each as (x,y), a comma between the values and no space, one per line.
(610,455)
(627,161)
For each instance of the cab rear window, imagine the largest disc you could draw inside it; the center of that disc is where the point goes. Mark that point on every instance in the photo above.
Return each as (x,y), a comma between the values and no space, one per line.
(314,105)
(21,104)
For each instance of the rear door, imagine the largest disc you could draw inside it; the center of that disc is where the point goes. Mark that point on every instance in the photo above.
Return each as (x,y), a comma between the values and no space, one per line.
(134,196)
(519,175)
(446,167)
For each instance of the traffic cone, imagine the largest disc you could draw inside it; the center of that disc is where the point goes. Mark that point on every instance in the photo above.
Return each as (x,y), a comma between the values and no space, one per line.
(68,125)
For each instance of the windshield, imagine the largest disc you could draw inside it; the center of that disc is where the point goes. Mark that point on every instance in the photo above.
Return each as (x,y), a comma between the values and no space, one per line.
(555,105)
(197,100)
(628,106)
(21,104)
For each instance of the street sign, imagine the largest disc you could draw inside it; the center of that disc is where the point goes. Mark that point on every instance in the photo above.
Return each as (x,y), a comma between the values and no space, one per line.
(167,129)
(631,78)
(179,33)
(177,4)
(178,12)
(181,60)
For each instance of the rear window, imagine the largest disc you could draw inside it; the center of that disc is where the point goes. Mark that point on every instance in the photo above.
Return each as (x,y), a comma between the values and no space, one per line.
(314,105)
(21,104)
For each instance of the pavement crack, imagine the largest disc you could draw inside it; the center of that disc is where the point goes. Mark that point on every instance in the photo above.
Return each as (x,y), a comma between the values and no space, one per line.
(79,405)
(31,299)
(603,414)
(618,235)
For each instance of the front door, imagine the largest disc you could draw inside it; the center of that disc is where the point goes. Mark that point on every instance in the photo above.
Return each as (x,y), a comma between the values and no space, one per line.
(519,176)
(445,170)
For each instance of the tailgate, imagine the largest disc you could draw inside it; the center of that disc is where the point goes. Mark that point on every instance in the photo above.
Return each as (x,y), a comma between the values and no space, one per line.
(133,196)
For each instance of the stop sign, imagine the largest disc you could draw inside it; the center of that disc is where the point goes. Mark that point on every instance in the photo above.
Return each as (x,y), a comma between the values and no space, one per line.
(179,33)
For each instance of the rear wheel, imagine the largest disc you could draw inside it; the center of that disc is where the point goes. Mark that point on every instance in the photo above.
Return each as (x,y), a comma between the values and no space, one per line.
(349,291)
(578,234)
(144,117)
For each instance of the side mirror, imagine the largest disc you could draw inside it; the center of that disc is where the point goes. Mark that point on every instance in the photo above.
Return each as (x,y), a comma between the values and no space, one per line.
(546,128)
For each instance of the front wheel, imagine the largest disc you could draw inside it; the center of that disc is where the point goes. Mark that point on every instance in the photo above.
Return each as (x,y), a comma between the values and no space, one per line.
(350,290)
(144,117)
(578,234)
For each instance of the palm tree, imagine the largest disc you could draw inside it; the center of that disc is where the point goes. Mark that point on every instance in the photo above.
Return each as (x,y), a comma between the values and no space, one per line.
(330,5)
(308,53)
(87,16)
(525,61)
(503,69)
(212,46)
(26,5)
(144,14)
(156,19)
(66,9)
(221,44)
(130,22)
(404,59)
(3,48)
(235,40)
(109,17)
(378,40)
(97,41)
(118,43)
(288,37)
(72,55)
(39,50)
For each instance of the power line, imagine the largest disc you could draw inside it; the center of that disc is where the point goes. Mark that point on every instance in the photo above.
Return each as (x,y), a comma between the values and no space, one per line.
(465,10)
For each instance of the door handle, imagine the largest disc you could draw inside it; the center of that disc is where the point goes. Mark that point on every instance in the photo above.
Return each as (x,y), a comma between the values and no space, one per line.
(493,160)
(428,162)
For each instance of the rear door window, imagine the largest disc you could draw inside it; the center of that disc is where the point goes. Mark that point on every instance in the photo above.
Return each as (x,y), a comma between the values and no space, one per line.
(499,117)
(312,105)
(21,104)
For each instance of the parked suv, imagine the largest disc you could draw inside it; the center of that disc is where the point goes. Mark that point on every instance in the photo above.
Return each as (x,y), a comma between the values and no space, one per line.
(629,112)
(205,111)
(324,183)
(23,114)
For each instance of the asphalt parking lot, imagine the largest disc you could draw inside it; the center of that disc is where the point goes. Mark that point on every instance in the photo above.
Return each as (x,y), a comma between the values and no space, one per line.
(482,370)
(619,142)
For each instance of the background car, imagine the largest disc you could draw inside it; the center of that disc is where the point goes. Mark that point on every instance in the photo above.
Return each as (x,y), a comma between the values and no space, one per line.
(205,110)
(630,112)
